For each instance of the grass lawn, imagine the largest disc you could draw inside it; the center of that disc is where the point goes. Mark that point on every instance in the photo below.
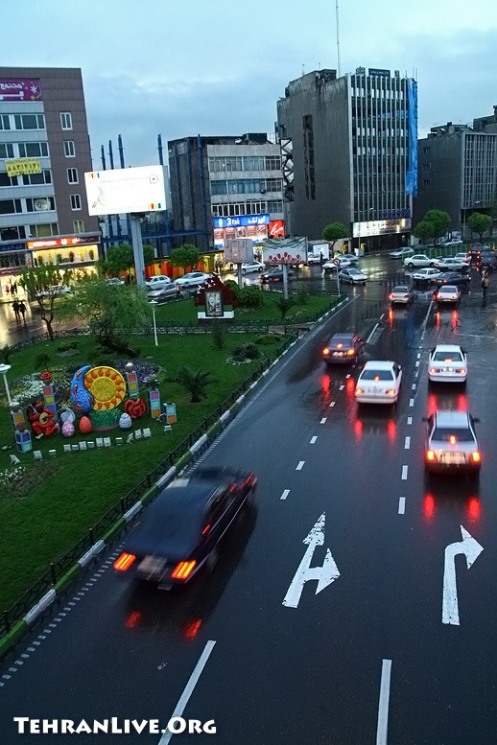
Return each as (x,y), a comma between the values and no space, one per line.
(47,506)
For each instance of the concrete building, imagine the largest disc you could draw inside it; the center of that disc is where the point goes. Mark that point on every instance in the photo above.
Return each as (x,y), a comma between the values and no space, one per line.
(44,152)
(354,153)
(225,187)
(458,170)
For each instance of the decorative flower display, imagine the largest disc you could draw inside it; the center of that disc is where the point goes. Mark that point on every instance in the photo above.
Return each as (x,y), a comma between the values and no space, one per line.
(135,407)
(106,385)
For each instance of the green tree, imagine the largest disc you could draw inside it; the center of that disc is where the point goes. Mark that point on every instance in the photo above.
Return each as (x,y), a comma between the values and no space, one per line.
(112,313)
(479,223)
(40,283)
(121,259)
(194,381)
(334,231)
(439,222)
(186,256)
(423,231)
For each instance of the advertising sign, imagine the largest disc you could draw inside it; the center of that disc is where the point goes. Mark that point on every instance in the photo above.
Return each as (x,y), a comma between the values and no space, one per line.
(276,229)
(380,227)
(22,166)
(239,250)
(125,190)
(284,251)
(20,89)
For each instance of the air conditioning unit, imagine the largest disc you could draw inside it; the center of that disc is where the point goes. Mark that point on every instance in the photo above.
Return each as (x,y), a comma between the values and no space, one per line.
(215,213)
(41,204)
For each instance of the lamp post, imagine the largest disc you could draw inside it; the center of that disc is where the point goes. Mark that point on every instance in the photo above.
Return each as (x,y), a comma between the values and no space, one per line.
(4,370)
(153,303)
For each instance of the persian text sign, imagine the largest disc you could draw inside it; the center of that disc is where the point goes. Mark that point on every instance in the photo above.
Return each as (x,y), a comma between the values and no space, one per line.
(22,166)
(20,89)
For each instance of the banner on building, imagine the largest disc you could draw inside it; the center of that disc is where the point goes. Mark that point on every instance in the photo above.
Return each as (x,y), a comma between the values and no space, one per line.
(22,166)
(412,123)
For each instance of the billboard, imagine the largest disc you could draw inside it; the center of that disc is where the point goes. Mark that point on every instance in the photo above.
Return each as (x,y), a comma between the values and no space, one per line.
(253,227)
(239,250)
(20,89)
(22,166)
(284,251)
(125,190)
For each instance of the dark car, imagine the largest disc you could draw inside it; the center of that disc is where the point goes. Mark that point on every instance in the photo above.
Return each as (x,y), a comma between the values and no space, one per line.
(486,260)
(476,250)
(343,349)
(275,275)
(451,278)
(180,531)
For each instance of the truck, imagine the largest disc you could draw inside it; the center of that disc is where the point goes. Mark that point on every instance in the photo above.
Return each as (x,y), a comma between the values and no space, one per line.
(317,252)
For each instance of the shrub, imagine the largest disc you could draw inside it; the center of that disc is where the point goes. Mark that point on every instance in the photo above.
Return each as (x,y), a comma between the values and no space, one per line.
(302,296)
(42,362)
(5,354)
(218,336)
(267,339)
(251,297)
(245,352)
(234,288)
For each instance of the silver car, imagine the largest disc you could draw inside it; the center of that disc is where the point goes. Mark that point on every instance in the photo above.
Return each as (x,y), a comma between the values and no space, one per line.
(451,443)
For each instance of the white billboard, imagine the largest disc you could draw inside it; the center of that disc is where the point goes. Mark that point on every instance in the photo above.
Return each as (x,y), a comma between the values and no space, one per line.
(239,250)
(284,251)
(125,190)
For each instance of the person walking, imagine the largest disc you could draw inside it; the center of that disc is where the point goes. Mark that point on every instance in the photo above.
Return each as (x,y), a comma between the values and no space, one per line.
(22,311)
(15,306)
(484,284)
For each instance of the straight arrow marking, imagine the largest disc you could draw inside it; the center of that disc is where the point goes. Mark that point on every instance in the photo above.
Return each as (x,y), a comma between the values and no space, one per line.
(470,547)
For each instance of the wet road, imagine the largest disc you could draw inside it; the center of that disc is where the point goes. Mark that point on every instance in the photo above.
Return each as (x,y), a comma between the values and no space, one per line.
(359,652)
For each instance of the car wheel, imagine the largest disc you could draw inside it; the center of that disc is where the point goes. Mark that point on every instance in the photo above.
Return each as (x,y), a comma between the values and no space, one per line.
(410,266)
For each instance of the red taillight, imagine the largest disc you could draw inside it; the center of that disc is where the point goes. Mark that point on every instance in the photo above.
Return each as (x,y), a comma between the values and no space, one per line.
(475,456)
(434,370)
(390,392)
(390,297)
(430,455)
(123,562)
(326,351)
(206,529)
(183,569)
(461,371)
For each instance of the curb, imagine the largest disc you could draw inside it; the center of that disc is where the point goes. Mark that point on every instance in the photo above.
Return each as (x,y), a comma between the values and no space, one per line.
(21,627)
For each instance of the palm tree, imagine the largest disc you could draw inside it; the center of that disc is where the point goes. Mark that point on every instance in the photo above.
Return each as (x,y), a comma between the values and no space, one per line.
(284,304)
(195,382)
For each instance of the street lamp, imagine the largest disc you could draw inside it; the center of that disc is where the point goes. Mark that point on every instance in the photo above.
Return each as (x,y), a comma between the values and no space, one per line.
(153,303)
(4,370)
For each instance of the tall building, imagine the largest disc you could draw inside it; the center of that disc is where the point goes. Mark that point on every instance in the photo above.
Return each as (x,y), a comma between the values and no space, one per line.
(225,187)
(458,170)
(353,142)
(44,152)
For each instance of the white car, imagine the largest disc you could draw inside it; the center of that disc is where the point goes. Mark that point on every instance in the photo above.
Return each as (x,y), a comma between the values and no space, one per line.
(454,242)
(451,264)
(464,257)
(448,363)
(448,294)
(114,282)
(353,276)
(418,260)
(254,266)
(379,382)
(330,266)
(191,280)
(402,253)
(158,282)
(426,274)
(343,262)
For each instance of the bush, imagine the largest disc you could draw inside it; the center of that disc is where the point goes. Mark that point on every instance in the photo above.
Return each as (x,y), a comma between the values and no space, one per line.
(302,296)
(267,339)
(245,352)
(234,288)
(5,354)
(251,297)
(67,346)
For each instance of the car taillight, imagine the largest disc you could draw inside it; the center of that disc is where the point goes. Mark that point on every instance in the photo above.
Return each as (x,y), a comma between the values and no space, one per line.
(326,350)
(434,370)
(358,391)
(183,569)
(123,562)
(461,371)
(350,352)
(430,455)
(390,392)
(390,297)
(475,456)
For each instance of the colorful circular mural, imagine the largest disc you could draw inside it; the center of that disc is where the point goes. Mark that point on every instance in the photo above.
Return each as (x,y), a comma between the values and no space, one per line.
(106,385)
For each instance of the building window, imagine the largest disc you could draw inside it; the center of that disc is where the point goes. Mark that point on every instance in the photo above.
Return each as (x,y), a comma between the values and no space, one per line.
(34,179)
(78,226)
(65,120)
(6,150)
(253,163)
(29,121)
(44,230)
(275,205)
(69,149)
(273,184)
(33,149)
(218,188)
(40,204)
(10,206)
(273,163)
(4,121)
(72,176)
(7,180)
(12,233)
(75,202)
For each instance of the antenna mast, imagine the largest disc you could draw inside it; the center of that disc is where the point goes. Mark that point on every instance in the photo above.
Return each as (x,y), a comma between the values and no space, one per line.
(338,38)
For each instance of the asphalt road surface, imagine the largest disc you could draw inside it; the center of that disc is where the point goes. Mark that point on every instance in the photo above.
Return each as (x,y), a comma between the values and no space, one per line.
(353,605)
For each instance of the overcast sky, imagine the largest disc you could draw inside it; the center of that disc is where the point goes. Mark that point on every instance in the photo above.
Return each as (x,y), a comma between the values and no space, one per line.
(218,68)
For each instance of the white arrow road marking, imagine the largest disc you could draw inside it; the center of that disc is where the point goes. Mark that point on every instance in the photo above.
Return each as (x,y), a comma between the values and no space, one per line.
(382,728)
(471,549)
(325,574)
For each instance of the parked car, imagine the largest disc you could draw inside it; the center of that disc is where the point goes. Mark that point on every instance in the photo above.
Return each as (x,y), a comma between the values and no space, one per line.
(450,263)
(447,294)
(330,266)
(379,382)
(453,242)
(463,256)
(402,253)
(343,348)
(352,276)
(56,291)
(426,274)
(451,278)
(181,530)
(158,282)
(451,444)
(114,281)
(191,280)
(402,294)
(343,261)
(448,363)
(169,292)
(276,275)
(418,260)
(352,257)
(254,266)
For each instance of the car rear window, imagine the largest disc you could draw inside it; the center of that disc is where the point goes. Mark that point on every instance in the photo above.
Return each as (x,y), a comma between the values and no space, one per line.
(441,434)
(376,375)
(400,289)
(448,357)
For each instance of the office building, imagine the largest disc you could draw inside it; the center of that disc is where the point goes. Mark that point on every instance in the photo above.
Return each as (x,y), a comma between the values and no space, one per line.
(225,187)
(353,142)
(44,153)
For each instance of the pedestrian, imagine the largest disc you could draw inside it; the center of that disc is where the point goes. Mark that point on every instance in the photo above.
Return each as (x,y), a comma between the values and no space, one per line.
(22,311)
(15,306)
(13,288)
(484,284)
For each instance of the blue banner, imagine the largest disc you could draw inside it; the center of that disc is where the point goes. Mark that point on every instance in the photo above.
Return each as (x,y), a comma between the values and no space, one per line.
(412,121)
(242,221)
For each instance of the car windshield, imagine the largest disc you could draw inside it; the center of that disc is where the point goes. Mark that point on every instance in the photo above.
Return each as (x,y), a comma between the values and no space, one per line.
(353,271)
(342,340)
(376,375)
(453,435)
(448,288)
(448,357)
(171,527)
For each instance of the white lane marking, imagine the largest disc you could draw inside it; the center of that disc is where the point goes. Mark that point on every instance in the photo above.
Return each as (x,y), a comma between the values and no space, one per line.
(313,440)
(185,696)
(402,505)
(383,704)
(300,465)
(372,332)
(382,316)
(341,387)
(404,473)
(332,404)
(418,355)
(471,549)
(285,494)
(425,321)
(417,363)
(413,386)
(411,402)
(409,419)
(407,443)
(323,420)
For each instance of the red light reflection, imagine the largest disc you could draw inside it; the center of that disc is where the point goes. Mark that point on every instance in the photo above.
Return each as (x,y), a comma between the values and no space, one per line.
(429,506)
(432,404)
(462,402)
(473,509)
(326,388)
(133,620)
(358,428)
(350,386)
(454,321)
(437,318)
(390,316)
(192,628)
(391,430)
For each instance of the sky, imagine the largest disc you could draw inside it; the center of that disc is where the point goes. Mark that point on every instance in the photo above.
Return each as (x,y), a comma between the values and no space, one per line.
(193,67)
